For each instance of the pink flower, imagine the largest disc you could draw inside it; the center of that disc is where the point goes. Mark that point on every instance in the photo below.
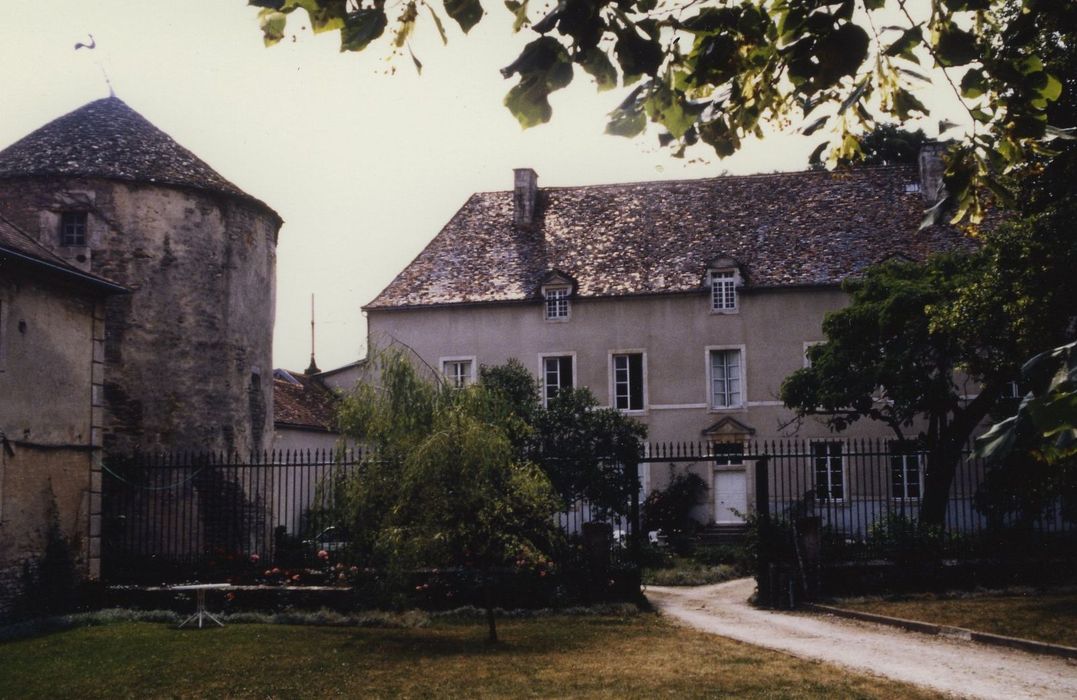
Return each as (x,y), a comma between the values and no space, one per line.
(268,572)
(255,558)
(322,554)
(295,577)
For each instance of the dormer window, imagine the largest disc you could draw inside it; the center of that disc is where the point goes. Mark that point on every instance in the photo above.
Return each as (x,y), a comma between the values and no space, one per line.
(556,303)
(723,279)
(723,290)
(73,228)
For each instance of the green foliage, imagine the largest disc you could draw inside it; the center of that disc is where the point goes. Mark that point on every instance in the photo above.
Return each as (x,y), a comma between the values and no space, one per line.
(716,75)
(51,583)
(886,144)
(670,509)
(583,448)
(444,488)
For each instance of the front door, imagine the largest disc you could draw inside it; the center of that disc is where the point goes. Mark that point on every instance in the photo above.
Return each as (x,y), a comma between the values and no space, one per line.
(730,496)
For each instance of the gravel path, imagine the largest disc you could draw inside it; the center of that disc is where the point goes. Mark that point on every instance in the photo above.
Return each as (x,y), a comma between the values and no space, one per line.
(952,666)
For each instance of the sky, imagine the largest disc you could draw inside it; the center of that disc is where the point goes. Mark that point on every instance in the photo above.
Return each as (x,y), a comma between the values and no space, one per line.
(364,158)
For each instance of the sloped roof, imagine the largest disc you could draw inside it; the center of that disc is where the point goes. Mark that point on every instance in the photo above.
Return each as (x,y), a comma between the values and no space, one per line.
(108,139)
(302,402)
(17,245)
(786,229)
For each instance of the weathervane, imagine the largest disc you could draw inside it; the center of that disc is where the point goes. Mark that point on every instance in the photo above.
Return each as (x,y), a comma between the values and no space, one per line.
(93,45)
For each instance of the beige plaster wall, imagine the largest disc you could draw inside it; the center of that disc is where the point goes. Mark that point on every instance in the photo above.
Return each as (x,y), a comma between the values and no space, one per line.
(674,332)
(48,419)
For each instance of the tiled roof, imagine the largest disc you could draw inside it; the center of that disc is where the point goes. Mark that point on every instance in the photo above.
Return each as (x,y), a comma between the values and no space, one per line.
(15,243)
(786,229)
(302,402)
(108,139)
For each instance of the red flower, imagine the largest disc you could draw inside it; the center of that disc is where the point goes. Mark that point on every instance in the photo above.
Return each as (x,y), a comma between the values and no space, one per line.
(255,558)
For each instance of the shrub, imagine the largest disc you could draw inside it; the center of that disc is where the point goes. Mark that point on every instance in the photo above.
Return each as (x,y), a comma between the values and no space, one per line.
(670,509)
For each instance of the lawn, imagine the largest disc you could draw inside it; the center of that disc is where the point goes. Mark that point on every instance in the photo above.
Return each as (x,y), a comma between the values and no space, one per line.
(637,655)
(1047,617)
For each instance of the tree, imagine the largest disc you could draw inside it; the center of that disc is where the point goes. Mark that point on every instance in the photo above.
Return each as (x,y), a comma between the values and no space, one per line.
(443,487)
(716,73)
(886,144)
(581,447)
(894,353)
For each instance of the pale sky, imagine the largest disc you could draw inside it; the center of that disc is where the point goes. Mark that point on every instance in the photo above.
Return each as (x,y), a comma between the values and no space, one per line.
(365,165)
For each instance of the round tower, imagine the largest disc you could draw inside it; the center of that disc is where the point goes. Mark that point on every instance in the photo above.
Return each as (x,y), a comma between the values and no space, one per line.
(187,355)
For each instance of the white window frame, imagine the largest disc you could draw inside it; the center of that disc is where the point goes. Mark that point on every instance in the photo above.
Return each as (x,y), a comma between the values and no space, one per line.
(829,480)
(612,379)
(904,457)
(804,355)
(710,383)
(729,280)
(561,302)
(451,379)
(543,356)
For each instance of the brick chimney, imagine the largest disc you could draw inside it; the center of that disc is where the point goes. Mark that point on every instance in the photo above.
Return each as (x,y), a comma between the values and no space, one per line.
(931,170)
(524,197)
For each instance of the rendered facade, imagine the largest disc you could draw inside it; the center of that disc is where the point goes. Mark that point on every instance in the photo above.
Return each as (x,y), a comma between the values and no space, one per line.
(684,304)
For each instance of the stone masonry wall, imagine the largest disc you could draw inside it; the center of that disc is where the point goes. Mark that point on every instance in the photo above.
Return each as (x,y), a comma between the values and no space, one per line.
(187,355)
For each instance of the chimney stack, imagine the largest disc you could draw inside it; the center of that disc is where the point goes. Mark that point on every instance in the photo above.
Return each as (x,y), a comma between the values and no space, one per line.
(524,197)
(931,170)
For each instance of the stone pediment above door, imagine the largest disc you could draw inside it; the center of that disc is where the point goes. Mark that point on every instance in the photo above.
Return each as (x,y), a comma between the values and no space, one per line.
(728,429)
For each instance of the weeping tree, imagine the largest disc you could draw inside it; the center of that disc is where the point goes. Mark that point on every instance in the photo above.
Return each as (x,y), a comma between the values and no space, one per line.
(443,487)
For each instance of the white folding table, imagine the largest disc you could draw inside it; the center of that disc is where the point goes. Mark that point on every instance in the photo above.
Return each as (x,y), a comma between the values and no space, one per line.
(200,601)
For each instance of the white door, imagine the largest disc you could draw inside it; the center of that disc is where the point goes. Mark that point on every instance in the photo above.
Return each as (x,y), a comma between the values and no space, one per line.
(730,497)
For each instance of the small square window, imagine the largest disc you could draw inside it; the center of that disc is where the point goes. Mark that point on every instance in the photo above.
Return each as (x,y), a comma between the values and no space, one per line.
(457,372)
(556,303)
(73,228)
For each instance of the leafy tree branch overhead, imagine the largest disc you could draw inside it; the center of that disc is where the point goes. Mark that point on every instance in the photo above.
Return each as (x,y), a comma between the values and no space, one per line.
(715,73)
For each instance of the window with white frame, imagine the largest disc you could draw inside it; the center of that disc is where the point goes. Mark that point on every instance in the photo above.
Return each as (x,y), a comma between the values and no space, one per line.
(556,375)
(458,371)
(73,228)
(3,338)
(906,472)
(628,381)
(829,470)
(726,390)
(556,303)
(723,290)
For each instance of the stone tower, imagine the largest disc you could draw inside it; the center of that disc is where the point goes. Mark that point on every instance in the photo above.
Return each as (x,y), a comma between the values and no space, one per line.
(187,355)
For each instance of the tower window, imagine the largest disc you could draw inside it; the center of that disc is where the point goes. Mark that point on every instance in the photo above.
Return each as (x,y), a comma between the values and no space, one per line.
(73,228)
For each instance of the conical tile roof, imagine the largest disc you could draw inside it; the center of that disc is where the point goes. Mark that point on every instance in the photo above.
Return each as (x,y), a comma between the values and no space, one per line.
(108,139)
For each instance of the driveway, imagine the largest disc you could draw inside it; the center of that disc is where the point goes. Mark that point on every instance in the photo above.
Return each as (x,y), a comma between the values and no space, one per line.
(953,666)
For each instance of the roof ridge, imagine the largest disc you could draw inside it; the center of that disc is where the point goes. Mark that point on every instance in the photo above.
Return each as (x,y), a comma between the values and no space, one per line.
(715,178)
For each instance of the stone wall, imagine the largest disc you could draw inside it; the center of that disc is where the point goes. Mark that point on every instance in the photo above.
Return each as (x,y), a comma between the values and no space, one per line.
(187,355)
(51,338)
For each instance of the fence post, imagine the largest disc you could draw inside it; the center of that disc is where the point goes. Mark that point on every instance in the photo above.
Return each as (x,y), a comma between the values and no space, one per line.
(632,473)
(763,548)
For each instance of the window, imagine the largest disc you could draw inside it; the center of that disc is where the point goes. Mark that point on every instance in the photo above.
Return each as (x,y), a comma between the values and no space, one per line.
(556,375)
(73,228)
(906,475)
(628,381)
(458,371)
(723,290)
(3,344)
(726,385)
(728,453)
(808,345)
(829,470)
(556,303)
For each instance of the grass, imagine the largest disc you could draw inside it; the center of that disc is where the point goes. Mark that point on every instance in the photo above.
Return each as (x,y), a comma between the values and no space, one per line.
(1044,617)
(637,655)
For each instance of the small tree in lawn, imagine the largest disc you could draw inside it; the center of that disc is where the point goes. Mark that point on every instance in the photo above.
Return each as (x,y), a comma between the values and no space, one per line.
(444,488)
